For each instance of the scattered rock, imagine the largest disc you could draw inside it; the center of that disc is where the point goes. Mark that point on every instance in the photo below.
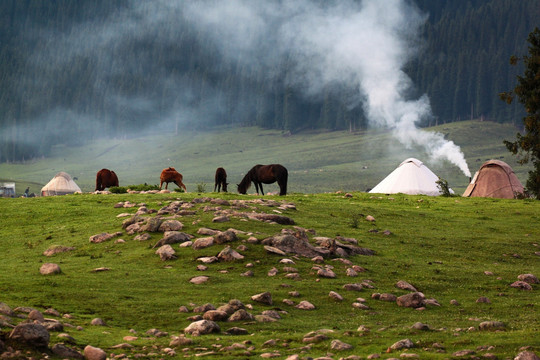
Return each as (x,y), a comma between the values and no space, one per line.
(491,325)
(420,326)
(353,287)
(202,327)
(414,300)
(326,273)
(66,353)
(229,254)
(99,238)
(241,315)
(215,315)
(94,353)
(263,298)
(340,345)
(526,355)
(236,331)
(98,322)
(166,252)
(220,219)
(402,344)
(50,269)
(522,285)
(197,280)
(172,237)
(483,299)
(334,295)
(225,237)
(170,225)
(57,249)
(388,297)
(34,335)
(401,284)
(305,305)
(528,278)
(180,341)
(202,243)
(463,353)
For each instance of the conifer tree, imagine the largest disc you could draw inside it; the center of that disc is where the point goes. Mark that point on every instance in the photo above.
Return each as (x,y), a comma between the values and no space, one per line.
(527,91)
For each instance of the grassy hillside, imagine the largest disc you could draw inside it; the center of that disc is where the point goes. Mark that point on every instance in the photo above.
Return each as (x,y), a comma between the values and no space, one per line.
(317,162)
(454,250)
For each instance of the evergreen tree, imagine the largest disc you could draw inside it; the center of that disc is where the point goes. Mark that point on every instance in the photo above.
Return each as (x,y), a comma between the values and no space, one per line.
(527,91)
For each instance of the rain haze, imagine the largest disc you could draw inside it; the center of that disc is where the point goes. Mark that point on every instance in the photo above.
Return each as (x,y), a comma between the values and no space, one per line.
(357,49)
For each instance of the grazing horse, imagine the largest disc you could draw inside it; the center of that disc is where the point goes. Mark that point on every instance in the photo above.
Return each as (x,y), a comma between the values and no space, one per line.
(265,174)
(105,178)
(220,180)
(171,175)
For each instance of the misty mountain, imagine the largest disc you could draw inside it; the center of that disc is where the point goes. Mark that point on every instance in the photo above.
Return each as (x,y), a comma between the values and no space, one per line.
(73,71)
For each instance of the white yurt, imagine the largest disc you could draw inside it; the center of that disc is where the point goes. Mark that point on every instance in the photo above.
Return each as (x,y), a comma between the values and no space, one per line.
(60,184)
(411,177)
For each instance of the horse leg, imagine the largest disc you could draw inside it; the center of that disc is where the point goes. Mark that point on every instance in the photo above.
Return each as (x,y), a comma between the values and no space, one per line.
(160,184)
(260,185)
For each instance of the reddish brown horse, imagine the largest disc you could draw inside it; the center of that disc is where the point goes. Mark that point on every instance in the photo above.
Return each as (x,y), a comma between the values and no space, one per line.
(105,178)
(220,180)
(265,174)
(171,175)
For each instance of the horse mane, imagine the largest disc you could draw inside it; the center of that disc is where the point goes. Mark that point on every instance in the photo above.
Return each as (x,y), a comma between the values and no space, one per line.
(245,183)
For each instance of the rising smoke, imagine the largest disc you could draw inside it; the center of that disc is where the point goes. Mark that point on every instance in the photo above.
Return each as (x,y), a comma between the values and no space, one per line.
(361,46)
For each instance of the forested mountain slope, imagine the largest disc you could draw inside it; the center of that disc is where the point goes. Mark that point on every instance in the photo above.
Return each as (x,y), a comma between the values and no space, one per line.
(73,71)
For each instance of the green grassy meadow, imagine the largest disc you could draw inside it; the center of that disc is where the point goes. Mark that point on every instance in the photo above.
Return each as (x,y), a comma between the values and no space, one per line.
(317,161)
(443,246)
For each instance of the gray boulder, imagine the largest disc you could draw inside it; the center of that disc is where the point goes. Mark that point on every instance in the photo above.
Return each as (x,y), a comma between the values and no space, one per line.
(202,327)
(34,335)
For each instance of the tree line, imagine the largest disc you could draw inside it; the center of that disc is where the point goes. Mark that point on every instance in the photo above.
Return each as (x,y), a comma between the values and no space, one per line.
(57,88)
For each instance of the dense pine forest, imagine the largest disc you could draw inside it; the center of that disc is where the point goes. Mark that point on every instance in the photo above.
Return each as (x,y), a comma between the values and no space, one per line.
(73,71)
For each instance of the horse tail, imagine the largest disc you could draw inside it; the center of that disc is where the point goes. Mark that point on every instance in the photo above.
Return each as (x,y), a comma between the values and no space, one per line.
(283,176)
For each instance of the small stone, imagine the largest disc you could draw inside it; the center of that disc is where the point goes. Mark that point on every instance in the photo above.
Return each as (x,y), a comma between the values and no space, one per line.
(305,305)
(326,273)
(94,353)
(401,284)
(420,326)
(202,327)
(370,218)
(528,278)
(522,285)
(199,280)
(334,295)
(98,322)
(491,325)
(264,298)
(483,299)
(402,344)
(340,345)
(527,355)
(50,269)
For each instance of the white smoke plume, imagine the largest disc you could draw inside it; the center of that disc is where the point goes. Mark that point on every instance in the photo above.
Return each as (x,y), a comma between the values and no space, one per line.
(361,46)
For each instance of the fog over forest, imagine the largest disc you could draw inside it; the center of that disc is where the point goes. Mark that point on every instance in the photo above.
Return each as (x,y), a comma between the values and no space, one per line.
(77,71)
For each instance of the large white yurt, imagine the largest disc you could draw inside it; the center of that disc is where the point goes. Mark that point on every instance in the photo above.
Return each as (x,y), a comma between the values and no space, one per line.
(411,177)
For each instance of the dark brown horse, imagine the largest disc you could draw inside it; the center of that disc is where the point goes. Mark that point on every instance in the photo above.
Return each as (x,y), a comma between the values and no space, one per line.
(171,175)
(105,178)
(220,180)
(265,174)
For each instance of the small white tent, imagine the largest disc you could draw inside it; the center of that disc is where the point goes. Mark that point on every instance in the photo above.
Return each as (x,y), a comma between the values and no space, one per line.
(411,177)
(60,184)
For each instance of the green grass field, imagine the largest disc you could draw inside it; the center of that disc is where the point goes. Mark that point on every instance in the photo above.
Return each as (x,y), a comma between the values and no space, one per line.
(449,248)
(317,162)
